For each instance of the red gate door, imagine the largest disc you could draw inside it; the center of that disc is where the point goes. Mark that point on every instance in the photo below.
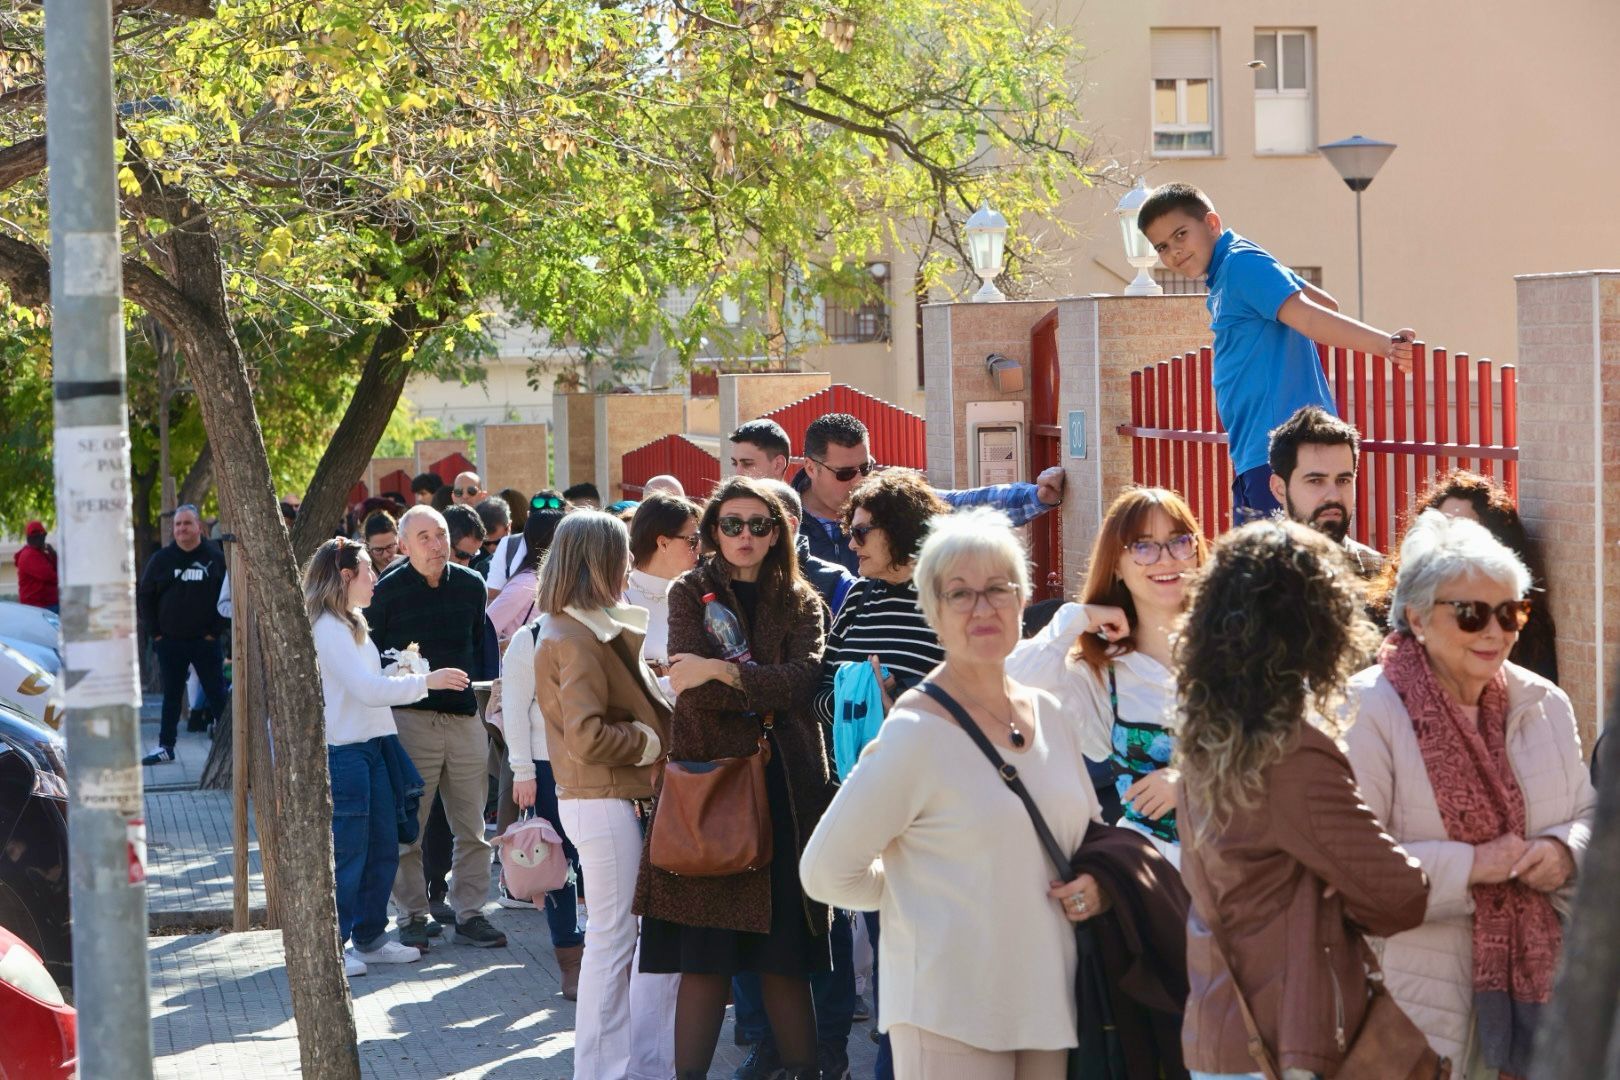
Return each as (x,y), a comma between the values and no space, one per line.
(1045,451)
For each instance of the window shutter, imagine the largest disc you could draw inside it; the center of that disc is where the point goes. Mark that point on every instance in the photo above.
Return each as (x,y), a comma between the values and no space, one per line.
(1183,54)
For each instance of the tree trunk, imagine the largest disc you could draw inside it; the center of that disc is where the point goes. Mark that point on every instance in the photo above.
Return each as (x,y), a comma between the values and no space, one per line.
(1577,1034)
(194,309)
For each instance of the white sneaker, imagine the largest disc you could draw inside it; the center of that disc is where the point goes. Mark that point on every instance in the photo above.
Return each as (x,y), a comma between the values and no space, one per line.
(389,952)
(353,966)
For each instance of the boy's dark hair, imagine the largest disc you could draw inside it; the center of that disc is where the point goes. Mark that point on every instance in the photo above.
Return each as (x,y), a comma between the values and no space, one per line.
(428,482)
(660,514)
(494,513)
(840,428)
(464,522)
(583,490)
(379,522)
(1313,425)
(1168,198)
(765,434)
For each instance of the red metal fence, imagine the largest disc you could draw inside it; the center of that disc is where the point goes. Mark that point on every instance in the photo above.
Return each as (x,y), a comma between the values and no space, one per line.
(897,436)
(696,468)
(1446,413)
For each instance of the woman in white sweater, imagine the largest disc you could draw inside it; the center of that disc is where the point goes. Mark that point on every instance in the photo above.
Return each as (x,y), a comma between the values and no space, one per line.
(338,582)
(925,831)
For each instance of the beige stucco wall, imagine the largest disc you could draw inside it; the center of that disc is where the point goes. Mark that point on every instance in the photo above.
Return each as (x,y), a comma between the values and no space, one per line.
(1501,114)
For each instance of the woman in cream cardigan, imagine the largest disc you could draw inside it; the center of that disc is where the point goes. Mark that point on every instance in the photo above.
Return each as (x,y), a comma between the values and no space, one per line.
(977,952)
(1474,765)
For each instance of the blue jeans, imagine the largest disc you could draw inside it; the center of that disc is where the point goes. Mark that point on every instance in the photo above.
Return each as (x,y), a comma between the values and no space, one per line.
(832,991)
(1251,496)
(562,903)
(365,840)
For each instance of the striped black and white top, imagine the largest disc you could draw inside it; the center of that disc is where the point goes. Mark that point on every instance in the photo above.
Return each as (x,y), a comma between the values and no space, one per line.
(882,620)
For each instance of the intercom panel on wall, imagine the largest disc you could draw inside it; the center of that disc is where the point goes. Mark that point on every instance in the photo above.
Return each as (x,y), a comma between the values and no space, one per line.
(996,445)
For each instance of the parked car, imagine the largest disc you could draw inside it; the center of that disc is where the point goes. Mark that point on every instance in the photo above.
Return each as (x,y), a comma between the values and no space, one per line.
(47,658)
(27,623)
(30,689)
(42,1030)
(34,842)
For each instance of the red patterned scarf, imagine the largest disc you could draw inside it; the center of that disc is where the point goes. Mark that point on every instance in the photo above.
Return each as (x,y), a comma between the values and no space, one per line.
(1517,935)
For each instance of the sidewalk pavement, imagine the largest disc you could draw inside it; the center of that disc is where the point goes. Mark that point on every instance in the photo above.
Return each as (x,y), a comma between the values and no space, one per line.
(221,1003)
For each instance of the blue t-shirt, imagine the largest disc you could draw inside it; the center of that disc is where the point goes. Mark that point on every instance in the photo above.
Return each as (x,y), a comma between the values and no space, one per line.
(1264,370)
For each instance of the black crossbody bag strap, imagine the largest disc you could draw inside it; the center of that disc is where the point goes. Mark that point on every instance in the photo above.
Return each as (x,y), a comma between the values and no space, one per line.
(1008,773)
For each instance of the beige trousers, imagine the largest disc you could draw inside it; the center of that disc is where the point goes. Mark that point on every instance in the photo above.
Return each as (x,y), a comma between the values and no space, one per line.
(923,1055)
(452,754)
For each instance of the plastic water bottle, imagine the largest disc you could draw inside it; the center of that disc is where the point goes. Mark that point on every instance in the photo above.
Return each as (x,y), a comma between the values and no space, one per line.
(725,631)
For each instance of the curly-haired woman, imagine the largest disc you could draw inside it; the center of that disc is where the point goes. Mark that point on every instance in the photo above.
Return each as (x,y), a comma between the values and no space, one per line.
(1286,865)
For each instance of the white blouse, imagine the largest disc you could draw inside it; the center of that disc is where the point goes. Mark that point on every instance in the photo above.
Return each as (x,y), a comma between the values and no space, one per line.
(357,694)
(925,832)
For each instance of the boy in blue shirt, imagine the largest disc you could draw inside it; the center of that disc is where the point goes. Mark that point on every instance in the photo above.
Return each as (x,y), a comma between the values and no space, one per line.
(1265,318)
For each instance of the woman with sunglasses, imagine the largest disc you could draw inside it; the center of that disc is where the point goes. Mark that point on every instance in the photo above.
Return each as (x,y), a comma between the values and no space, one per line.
(663,546)
(1474,764)
(1108,657)
(709,929)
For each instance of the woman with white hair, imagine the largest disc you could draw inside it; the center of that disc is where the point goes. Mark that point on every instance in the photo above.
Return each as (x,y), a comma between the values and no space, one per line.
(1474,765)
(925,831)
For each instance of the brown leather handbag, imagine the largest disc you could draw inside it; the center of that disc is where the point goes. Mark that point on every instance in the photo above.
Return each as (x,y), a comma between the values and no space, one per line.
(713,818)
(1388,1046)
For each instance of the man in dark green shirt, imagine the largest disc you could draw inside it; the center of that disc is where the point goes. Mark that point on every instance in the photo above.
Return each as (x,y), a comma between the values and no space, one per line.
(438,606)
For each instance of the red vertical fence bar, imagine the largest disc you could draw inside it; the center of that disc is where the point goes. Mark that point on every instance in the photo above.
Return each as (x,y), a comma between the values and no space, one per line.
(1510,428)
(1138,419)
(1460,362)
(1401,458)
(1358,367)
(1486,465)
(1420,414)
(1380,464)
(1209,513)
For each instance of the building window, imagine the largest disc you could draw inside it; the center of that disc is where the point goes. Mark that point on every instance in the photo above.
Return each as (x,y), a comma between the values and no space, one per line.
(1284,113)
(1175,284)
(1186,100)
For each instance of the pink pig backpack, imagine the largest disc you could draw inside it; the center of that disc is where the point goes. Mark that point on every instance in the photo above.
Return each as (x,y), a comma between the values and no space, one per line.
(532,859)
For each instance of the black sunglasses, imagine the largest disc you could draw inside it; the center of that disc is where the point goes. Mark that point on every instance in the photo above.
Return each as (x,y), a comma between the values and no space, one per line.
(1472,615)
(545,502)
(848,472)
(859,533)
(757,526)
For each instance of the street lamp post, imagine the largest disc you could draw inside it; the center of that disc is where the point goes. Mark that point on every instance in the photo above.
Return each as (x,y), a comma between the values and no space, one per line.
(986,235)
(1358,160)
(1138,248)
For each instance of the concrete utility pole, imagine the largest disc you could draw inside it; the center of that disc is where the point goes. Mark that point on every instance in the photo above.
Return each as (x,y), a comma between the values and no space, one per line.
(107,831)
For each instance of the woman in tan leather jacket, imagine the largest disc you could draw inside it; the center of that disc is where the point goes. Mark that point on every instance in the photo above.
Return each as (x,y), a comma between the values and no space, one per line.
(607,728)
(1287,867)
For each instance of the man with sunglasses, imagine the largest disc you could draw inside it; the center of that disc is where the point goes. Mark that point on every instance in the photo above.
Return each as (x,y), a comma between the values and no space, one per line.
(837,456)
(1313,459)
(468,490)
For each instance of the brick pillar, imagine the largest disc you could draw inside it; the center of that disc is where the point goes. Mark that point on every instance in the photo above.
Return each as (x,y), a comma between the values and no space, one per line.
(750,396)
(626,421)
(1101,340)
(515,456)
(1569,470)
(573,418)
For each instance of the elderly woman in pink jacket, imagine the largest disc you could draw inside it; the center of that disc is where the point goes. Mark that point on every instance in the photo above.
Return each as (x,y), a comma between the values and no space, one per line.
(1474,765)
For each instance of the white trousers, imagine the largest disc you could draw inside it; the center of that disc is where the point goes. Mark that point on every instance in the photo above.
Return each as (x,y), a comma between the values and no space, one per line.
(624,1022)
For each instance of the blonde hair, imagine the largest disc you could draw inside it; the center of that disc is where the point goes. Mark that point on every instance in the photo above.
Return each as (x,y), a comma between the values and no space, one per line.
(325,590)
(981,536)
(586,564)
